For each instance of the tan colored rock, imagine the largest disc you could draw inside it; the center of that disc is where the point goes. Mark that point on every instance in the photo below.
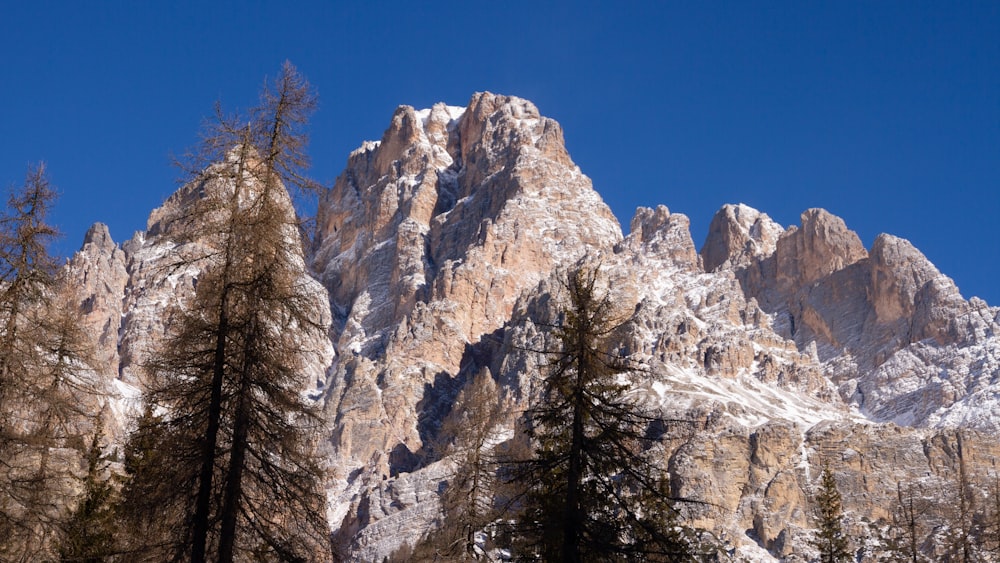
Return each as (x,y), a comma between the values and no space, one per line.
(739,235)
(714,472)
(657,232)
(893,334)
(99,275)
(442,247)
(163,265)
(821,245)
(766,482)
(906,286)
(782,514)
(425,243)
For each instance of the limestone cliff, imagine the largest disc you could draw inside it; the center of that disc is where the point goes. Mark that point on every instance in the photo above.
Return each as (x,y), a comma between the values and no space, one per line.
(441,246)
(438,252)
(891,331)
(425,242)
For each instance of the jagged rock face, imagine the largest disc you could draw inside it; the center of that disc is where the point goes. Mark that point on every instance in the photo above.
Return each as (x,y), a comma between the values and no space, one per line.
(657,232)
(130,293)
(821,246)
(441,250)
(442,247)
(737,236)
(759,482)
(709,356)
(98,272)
(892,331)
(425,242)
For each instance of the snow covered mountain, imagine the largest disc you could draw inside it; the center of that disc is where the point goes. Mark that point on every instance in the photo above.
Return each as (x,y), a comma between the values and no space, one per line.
(438,252)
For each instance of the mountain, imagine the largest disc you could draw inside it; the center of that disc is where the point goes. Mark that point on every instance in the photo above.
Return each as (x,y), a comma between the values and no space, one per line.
(438,252)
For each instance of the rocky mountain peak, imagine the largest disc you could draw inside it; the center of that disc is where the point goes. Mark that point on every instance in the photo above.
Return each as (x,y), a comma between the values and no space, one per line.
(738,234)
(98,235)
(899,272)
(658,232)
(426,241)
(883,322)
(821,245)
(98,274)
(439,253)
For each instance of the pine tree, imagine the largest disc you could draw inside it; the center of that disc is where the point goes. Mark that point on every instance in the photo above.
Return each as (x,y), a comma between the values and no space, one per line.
(830,539)
(592,491)
(148,504)
(238,436)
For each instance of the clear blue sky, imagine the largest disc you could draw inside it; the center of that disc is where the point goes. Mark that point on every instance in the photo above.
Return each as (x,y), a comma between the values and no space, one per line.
(885,113)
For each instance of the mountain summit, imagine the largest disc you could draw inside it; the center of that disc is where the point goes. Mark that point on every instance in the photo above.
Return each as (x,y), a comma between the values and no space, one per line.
(437,256)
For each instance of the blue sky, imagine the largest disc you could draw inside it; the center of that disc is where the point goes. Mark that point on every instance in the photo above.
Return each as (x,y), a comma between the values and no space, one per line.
(885,113)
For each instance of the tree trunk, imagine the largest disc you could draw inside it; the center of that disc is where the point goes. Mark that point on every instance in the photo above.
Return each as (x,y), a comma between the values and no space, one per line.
(204,500)
(234,481)
(574,477)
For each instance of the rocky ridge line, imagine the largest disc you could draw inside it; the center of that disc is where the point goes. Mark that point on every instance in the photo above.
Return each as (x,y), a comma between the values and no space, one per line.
(439,250)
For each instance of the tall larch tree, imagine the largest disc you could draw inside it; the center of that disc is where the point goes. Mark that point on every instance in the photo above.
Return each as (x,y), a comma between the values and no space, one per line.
(48,389)
(238,432)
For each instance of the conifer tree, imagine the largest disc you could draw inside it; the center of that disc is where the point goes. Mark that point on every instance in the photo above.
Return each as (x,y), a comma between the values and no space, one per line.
(592,492)
(830,539)
(89,532)
(27,272)
(47,387)
(239,436)
(468,502)
(148,501)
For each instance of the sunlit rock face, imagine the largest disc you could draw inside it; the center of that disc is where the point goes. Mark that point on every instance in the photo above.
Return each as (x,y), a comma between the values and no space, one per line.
(440,252)
(891,331)
(131,293)
(443,245)
(99,275)
(426,241)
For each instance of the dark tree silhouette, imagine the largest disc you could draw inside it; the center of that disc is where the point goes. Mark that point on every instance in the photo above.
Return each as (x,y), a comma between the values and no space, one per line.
(89,532)
(592,490)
